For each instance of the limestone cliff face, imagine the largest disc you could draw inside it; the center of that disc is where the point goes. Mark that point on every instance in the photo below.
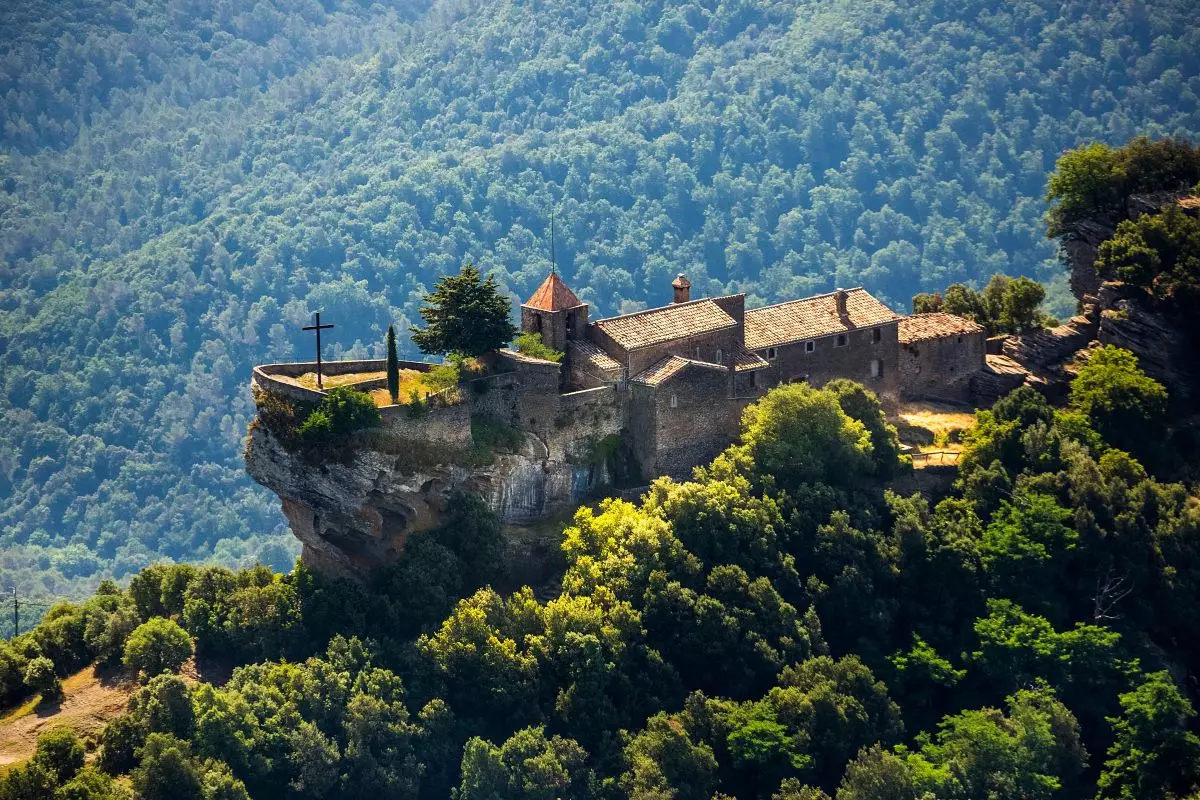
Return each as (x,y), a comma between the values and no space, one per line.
(354,517)
(1126,316)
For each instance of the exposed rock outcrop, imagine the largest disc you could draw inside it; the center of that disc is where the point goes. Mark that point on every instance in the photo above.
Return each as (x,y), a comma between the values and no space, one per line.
(354,517)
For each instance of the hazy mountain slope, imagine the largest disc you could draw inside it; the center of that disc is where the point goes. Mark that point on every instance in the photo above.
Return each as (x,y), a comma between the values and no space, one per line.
(257,165)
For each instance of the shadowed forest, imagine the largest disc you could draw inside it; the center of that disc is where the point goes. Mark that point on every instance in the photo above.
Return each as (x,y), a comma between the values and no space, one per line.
(182,183)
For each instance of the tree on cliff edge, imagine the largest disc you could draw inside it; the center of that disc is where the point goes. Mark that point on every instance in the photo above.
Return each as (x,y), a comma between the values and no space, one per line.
(465,314)
(393,366)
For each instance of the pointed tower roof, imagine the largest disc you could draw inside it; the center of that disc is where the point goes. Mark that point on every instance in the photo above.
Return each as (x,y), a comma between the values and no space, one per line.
(553,295)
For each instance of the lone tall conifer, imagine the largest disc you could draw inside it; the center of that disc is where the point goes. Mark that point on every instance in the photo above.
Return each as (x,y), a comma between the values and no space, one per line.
(393,366)
(465,314)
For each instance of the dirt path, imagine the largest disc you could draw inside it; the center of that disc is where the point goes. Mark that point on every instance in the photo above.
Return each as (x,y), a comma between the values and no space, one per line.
(91,700)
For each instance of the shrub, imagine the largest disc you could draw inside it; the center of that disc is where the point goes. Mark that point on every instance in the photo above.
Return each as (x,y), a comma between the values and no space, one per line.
(157,646)
(443,376)
(60,753)
(41,678)
(343,411)
(531,344)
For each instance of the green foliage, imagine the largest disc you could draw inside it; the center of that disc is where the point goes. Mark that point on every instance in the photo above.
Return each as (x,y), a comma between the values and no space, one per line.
(531,344)
(393,366)
(1159,252)
(1006,305)
(489,434)
(157,646)
(343,411)
(167,770)
(861,404)
(92,784)
(1154,754)
(41,678)
(1095,180)
(1124,405)
(797,434)
(1030,751)
(60,753)
(528,766)
(444,376)
(465,314)
(173,211)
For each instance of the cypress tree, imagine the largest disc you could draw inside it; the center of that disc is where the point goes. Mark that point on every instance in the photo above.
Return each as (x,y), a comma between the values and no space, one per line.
(393,366)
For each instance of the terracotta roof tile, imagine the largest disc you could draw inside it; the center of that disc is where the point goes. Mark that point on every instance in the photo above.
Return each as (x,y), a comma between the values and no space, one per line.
(592,355)
(745,361)
(923,327)
(553,295)
(658,325)
(812,317)
(662,371)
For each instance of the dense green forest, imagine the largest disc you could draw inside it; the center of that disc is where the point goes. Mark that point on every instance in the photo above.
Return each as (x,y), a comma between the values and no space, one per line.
(181,184)
(782,626)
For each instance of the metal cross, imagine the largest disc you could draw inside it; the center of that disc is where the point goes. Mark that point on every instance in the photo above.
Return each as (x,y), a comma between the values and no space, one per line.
(318,327)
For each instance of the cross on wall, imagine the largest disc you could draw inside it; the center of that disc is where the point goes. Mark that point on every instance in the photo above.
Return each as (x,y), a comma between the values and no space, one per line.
(318,327)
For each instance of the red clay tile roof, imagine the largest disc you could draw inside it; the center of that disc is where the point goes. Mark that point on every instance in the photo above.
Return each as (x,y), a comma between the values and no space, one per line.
(658,325)
(662,371)
(590,354)
(812,318)
(923,327)
(745,361)
(553,295)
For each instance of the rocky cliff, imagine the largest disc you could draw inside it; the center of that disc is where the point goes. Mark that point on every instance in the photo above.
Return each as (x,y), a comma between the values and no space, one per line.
(353,516)
(511,439)
(1126,316)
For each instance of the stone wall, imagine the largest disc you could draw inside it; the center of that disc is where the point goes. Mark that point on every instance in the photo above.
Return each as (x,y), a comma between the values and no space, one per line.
(941,368)
(702,347)
(828,361)
(695,419)
(450,424)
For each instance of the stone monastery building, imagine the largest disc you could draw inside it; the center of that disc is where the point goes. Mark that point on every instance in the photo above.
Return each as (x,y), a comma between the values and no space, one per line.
(689,368)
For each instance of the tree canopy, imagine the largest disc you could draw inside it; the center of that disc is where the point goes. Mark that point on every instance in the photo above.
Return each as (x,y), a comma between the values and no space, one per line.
(466,314)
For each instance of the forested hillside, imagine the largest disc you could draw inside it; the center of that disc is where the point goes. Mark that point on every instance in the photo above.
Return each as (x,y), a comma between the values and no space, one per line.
(181,184)
(781,627)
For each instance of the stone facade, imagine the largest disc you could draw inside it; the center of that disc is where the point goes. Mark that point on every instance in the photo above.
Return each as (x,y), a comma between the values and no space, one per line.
(939,355)
(866,355)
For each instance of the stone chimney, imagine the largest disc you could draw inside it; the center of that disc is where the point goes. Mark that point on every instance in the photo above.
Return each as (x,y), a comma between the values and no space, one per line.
(841,296)
(683,288)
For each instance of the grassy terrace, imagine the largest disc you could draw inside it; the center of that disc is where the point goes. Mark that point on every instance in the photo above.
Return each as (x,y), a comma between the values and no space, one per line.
(410,381)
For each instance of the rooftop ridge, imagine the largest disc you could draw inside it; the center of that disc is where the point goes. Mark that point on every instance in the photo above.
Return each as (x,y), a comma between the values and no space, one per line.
(809,297)
(645,311)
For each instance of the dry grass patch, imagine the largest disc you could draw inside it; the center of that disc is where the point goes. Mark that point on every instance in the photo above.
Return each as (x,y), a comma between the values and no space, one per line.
(933,426)
(309,379)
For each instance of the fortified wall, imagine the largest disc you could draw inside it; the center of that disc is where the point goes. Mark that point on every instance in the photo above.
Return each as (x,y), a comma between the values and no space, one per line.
(508,436)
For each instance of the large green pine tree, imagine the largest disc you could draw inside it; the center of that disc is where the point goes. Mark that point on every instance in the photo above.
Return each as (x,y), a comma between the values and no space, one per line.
(465,314)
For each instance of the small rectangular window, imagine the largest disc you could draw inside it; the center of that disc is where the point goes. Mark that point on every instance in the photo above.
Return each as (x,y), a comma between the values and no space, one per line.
(720,356)
(753,379)
(771,354)
(876,335)
(674,401)
(960,340)
(810,346)
(841,340)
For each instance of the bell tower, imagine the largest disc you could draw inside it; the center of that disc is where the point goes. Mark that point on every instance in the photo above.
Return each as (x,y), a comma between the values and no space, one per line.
(554,312)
